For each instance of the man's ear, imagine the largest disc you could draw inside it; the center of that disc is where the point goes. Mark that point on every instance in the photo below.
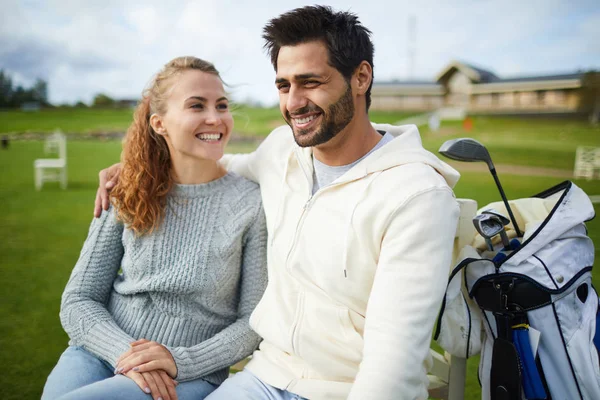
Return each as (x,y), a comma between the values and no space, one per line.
(363,75)
(156,123)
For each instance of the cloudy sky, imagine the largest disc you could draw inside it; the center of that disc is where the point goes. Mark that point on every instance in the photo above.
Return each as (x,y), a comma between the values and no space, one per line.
(83,47)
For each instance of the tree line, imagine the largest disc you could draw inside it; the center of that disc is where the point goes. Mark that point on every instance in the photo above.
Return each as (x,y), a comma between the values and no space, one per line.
(15,96)
(12,95)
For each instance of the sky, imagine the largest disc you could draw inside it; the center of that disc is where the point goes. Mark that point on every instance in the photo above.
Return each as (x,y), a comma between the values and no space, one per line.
(85,47)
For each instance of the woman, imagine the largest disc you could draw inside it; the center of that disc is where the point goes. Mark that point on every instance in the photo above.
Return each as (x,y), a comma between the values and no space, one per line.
(167,278)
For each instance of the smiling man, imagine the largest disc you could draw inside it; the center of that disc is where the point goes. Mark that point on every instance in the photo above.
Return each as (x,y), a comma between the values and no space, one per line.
(361,221)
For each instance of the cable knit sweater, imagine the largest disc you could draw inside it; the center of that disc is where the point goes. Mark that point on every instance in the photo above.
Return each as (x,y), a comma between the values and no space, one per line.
(191,285)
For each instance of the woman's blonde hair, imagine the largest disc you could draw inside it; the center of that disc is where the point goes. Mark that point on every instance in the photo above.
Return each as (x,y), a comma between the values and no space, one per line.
(140,195)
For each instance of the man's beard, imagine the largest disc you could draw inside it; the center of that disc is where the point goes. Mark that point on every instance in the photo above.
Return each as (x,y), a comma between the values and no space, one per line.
(337,118)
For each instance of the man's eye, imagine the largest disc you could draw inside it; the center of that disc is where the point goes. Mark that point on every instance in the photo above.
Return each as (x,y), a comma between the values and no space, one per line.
(283,87)
(312,83)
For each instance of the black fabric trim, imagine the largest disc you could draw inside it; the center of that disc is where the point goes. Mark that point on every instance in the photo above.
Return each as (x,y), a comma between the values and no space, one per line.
(562,338)
(547,270)
(533,281)
(470,325)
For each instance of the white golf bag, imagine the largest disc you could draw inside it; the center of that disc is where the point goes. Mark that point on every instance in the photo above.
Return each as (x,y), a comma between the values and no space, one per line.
(531,313)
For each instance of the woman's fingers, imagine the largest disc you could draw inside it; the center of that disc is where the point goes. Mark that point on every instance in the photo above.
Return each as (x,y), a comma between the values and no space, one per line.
(169,383)
(161,385)
(138,342)
(140,381)
(152,383)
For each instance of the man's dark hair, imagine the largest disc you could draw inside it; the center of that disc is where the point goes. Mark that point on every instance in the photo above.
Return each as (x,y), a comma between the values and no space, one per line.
(348,42)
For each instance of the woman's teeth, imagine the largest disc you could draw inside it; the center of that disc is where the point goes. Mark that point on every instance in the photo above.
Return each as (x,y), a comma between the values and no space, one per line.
(209,136)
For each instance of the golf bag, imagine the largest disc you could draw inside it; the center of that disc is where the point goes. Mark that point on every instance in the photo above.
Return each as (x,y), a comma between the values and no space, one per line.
(532,311)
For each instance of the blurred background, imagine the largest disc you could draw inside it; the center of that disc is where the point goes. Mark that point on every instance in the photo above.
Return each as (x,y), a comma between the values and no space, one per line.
(521,77)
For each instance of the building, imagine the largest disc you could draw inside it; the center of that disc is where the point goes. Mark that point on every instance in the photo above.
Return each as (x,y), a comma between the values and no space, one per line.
(478,90)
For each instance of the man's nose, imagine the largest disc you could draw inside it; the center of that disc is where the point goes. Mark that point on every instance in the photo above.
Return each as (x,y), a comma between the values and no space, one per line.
(296,100)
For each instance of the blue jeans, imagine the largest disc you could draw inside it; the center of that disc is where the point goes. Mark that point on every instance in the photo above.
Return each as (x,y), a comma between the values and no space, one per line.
(246,386)
(81,375)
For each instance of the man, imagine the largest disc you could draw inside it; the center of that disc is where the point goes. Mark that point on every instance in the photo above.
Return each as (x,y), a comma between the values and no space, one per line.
(361,221)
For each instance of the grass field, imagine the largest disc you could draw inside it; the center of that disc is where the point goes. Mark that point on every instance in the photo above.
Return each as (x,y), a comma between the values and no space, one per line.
(41,233)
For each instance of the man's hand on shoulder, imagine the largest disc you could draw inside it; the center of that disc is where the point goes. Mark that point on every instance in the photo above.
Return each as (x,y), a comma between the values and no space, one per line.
(108,179)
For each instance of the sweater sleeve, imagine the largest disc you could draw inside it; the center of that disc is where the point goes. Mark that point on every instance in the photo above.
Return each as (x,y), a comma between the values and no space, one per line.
(83,312)
(238,340)
(407,291)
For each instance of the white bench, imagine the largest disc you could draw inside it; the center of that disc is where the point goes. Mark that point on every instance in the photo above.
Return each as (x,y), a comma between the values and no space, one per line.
(448,374)
(52,169)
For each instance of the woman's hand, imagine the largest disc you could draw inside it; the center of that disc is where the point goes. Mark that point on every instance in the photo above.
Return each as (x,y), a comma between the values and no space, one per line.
(157,383)
(145,356)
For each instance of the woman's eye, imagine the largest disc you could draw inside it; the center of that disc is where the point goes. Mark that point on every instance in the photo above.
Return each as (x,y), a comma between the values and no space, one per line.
(198,105)
(222,106)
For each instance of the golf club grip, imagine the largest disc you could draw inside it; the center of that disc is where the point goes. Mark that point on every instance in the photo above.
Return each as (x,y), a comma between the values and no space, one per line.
(510,213)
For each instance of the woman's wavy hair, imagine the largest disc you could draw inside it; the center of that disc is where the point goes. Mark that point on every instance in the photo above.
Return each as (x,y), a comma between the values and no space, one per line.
(140,196)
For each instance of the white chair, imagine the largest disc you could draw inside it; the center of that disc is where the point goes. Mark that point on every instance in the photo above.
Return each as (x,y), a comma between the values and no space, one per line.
(448,375)
(52,169)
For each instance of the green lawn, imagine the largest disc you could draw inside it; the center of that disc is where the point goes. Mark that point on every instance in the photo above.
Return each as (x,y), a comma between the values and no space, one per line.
(41,233)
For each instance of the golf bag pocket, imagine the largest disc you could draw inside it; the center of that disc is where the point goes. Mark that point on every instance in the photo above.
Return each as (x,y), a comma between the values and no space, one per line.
(459,328)
(581,348)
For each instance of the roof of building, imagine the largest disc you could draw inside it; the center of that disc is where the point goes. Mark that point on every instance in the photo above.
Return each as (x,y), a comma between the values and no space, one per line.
(477,75)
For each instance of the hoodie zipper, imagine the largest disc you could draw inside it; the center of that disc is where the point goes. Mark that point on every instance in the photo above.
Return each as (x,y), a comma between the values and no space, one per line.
(302,216)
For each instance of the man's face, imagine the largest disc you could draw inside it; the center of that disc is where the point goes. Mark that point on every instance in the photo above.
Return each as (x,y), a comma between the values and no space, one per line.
(314,98)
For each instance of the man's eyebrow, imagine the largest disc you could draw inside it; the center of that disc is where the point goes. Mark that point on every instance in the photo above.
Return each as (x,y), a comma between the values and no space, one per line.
(299,77)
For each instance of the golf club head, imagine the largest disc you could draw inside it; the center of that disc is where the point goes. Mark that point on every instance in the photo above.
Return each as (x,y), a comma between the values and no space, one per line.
(492,211)
(466,149)
(488,226)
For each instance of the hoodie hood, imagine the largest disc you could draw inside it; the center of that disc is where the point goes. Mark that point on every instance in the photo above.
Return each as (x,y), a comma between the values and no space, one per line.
(406,148)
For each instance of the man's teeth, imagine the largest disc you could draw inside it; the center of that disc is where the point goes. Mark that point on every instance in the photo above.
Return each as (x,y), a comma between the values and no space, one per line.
(209,136)
(305,120)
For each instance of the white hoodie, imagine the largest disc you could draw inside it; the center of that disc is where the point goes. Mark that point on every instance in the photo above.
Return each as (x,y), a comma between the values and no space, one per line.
(357,271)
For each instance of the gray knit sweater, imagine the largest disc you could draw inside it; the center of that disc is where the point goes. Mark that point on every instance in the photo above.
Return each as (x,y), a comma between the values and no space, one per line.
(191,285)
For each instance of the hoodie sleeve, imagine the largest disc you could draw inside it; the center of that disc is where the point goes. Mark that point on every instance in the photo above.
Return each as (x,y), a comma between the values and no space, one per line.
(252,165)
(407,291)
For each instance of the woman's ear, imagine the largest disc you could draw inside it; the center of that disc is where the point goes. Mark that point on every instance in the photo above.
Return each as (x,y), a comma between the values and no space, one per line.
(363,76)
(156,123)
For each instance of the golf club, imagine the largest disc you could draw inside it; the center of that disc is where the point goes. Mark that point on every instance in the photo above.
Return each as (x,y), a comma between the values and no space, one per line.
(488,226)
(505,221)
(466,149)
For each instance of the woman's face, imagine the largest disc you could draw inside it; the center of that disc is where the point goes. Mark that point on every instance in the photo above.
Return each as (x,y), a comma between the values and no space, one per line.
(197,123)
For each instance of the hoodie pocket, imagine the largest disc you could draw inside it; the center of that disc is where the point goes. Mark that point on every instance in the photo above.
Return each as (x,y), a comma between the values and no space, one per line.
(328,340)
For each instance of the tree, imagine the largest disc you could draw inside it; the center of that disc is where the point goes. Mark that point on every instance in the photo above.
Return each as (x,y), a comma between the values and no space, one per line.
(40,91)
(6,89)
(102,100)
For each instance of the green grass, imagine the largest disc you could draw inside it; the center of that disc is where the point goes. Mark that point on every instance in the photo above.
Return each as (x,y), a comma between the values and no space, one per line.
(41,234)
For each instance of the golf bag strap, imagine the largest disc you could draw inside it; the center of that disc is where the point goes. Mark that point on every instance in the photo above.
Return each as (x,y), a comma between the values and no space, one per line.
(505,374)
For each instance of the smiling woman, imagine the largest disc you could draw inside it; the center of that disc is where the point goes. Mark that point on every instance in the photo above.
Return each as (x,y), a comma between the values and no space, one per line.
(168,276)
